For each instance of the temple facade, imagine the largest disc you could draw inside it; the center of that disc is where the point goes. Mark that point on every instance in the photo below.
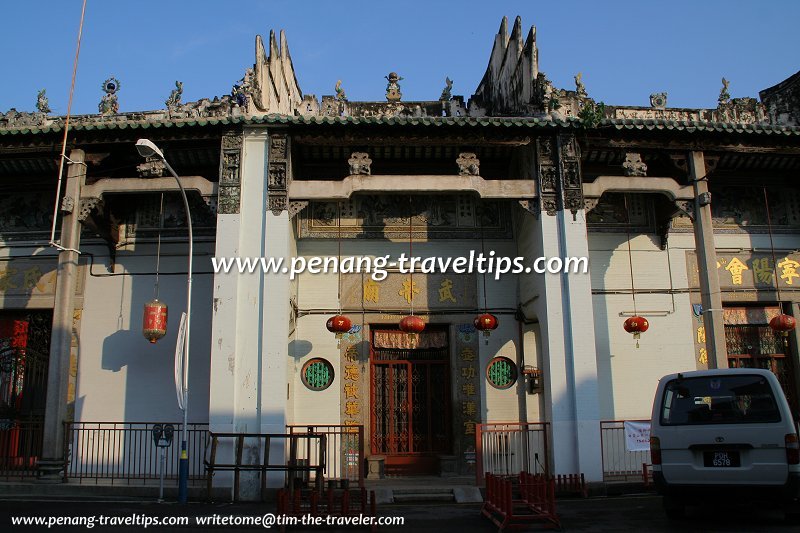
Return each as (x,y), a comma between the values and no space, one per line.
(689,218)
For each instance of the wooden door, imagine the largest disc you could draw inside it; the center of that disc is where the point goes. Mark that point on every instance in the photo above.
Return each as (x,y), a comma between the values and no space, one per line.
(410,408)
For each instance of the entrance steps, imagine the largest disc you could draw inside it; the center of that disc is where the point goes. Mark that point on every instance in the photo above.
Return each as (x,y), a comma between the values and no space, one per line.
(424,495)
(425,490)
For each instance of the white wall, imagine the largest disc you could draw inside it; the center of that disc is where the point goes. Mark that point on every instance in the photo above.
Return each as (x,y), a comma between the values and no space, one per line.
(628,376)
(121,376)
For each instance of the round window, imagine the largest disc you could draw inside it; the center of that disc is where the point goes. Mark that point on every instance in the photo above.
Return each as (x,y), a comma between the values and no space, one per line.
(501,372)
(317,374)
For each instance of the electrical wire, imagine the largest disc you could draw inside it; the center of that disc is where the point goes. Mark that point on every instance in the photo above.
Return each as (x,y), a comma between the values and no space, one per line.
(630,255)
(158,248)
(411,253)
(66,132)
(772,245)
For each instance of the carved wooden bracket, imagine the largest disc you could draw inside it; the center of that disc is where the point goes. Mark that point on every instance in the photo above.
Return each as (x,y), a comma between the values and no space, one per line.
(360,164)
(468,164)
(633,165)
(95,216)
(590,203)
(686,207)
(296,206)
(680,162)
(530,206)
(153,167)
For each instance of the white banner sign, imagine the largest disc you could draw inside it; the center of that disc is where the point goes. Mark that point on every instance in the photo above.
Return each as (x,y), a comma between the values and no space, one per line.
(637,436)
(179,347)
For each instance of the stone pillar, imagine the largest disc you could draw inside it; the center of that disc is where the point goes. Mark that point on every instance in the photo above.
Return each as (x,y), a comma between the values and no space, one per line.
(225,344)
(711,296)
(51,464)
(273,400)
(250,319)
(563,305)
(580,345)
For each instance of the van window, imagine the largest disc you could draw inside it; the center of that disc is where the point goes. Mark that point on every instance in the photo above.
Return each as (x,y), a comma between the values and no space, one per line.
(739,399)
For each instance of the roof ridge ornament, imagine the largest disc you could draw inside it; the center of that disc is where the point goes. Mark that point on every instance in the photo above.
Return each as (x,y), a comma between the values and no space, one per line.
(42,104)
(109,104)
(174,100)
(393,93)
(580,88)
(447,92)
(658,100)
(724,94)
(340,94)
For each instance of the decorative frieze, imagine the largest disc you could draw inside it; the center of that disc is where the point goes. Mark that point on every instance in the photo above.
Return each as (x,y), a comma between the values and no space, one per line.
(229,173)
(559,174)
(570,166)
(387,217)
(278,178)
(547,172)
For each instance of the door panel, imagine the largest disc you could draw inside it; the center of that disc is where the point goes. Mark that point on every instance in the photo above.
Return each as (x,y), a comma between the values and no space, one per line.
(410,411)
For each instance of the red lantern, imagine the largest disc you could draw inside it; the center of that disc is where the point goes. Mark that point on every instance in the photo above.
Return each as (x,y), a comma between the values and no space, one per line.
(485,323)
(636,325)
(339,324)
(412,325)
(783,324)
(154,323)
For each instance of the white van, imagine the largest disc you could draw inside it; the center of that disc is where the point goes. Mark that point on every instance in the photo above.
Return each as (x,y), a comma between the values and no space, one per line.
(725,433)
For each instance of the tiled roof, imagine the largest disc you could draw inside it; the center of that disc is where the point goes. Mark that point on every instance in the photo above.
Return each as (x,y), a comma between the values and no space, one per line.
(510,122)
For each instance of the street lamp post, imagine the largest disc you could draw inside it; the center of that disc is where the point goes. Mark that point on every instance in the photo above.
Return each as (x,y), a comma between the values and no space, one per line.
(147,149)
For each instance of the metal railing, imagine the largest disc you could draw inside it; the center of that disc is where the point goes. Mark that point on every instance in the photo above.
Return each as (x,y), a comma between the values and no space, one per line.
(125,452)
(618,463)
(507,449)
(344,450)
(20,447)
(253,454)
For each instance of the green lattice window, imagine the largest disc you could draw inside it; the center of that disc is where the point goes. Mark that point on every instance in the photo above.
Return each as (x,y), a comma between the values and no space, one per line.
(317,374)
(501,372)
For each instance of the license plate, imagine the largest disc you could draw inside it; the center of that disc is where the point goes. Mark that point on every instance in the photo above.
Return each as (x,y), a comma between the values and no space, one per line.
(726,459)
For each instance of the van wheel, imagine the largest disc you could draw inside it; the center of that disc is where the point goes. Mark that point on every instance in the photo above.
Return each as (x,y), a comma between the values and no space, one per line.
(674,508)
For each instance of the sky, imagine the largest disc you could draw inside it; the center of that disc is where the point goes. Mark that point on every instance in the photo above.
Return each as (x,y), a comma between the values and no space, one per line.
(626,50)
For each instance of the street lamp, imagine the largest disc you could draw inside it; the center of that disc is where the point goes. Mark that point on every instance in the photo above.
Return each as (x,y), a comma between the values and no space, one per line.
(147,148)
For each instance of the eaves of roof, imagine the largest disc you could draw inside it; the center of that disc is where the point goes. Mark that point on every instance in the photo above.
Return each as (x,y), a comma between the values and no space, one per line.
(509,122)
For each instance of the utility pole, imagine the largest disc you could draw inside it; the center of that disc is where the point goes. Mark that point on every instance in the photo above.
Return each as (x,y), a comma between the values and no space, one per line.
(710,294)
(52,459)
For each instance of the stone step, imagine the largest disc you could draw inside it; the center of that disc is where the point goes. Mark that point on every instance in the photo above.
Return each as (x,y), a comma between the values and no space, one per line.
(423,490)
(423,497)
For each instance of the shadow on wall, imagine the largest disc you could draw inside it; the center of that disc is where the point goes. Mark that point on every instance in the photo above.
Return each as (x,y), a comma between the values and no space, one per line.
(300,348)
(604,324)
(148,392)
